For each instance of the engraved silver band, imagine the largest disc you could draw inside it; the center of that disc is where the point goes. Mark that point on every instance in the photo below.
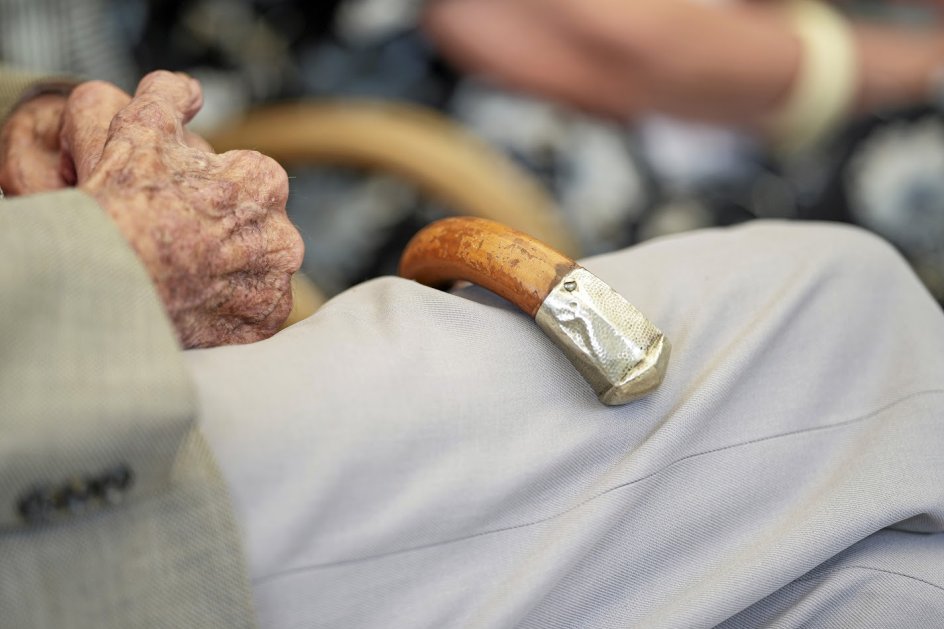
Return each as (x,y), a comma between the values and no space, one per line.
(614,346)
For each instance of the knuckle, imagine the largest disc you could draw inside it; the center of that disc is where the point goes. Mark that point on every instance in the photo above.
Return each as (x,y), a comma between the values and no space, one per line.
(277,187)
(294,247)
(148,113)
(269,168)
(275,183)
(266,177)
(286,249)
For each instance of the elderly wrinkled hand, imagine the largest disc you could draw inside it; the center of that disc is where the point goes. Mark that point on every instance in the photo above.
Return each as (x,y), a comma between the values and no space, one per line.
(29,146)
(210,229)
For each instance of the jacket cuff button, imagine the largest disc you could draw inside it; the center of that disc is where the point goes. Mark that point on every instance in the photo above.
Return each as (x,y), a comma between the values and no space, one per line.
(73,497)
(112,485)
(37,506)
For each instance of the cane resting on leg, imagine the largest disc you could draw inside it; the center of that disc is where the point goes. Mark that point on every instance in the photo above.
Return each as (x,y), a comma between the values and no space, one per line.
(412,458)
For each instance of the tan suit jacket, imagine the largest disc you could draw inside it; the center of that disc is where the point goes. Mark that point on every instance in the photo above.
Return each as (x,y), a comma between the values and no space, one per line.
(112,511)
(12,84)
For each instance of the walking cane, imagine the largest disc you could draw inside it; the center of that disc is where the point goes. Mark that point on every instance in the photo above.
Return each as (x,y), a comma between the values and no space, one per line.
(617,350)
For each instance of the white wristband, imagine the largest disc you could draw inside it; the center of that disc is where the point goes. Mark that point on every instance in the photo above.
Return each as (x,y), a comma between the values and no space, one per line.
(825,86)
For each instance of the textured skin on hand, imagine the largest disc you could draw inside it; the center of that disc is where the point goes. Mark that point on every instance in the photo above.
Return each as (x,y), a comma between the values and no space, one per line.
(29,147)
(211,229)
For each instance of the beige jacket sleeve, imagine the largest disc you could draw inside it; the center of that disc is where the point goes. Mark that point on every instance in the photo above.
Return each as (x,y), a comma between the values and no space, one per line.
(12,84)
(112,512)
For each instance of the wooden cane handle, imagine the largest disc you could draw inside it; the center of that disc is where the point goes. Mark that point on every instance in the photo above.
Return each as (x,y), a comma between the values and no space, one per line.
(619,352)
(505,261)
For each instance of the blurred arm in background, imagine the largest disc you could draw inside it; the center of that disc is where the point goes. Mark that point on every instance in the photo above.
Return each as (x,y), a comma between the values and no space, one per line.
(732,63)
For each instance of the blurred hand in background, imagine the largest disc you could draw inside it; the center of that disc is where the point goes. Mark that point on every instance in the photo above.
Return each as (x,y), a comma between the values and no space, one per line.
(731,63)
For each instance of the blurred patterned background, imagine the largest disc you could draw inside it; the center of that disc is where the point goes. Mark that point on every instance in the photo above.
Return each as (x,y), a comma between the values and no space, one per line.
(613,185)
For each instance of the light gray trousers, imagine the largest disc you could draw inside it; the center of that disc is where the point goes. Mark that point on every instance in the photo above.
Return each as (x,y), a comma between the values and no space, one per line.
(410,458)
